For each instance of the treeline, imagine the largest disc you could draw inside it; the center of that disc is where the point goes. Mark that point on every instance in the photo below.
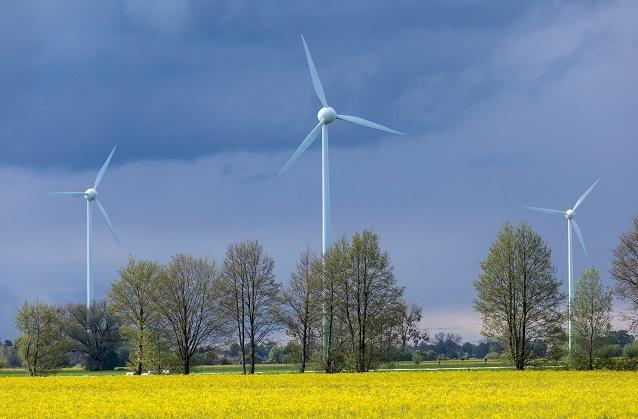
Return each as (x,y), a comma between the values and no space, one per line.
(343,311)
(521,306)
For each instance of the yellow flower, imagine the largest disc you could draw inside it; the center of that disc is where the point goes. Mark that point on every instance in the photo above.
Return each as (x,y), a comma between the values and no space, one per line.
(450,394)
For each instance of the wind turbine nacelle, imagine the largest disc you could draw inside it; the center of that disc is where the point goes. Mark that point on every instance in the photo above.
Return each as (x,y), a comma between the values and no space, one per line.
(569,214)
(90,194)
(327,115)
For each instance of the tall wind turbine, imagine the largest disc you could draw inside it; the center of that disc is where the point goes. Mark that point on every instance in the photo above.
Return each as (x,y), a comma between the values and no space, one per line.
(90,195)
(326,116)
(570,215)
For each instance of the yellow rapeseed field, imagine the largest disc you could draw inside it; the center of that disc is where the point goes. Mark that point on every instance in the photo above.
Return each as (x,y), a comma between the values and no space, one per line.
(450,394)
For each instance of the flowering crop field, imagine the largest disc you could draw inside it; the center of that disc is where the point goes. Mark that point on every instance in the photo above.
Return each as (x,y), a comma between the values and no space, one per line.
(382,394)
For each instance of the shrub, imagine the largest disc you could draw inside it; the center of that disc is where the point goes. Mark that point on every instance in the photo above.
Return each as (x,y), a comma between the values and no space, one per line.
(417,357)
(630,350)
(609,351)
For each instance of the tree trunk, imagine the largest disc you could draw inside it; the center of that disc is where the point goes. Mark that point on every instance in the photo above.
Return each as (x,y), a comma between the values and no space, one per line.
(187,366)
(304,345)
(252,353)
(138,370)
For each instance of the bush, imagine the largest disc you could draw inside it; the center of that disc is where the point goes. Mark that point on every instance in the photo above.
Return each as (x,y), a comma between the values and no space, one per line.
(609,351)
(630,350)
(417,357)
(618,364)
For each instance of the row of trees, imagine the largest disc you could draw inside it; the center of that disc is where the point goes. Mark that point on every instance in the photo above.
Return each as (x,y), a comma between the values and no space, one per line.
(344,310)
(518,297)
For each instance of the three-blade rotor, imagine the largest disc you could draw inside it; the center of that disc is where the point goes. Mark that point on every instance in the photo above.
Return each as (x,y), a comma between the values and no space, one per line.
(570,214)
(331,115)
(91,194)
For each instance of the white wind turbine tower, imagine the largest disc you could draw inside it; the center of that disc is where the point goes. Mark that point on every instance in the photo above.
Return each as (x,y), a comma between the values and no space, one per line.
(570,215)
(326,116)
(91,196)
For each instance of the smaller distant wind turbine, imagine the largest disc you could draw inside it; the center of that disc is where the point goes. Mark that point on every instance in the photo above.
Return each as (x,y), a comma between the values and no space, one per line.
(570,215)
(91,196)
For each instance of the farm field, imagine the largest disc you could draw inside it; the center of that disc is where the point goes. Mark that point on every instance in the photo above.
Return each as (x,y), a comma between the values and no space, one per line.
(281,368)
(381,394)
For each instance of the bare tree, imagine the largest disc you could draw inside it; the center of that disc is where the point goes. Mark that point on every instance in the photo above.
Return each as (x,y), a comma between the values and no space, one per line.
(332,271)
(591,309)
(96,335)
(299,310)
(132,299)
(369,298)
(41,344)
(250,292)
(187,302)
(447,344)
(518,293)
(233,285)
(624,269)
(409,330)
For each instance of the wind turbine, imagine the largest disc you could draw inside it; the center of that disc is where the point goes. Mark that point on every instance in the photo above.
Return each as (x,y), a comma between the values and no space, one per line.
(326,116)
(570,215)
(90,195)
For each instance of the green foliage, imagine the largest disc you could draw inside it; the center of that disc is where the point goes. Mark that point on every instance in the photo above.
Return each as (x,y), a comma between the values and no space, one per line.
(41,344)
(363,303)
(417,357)
(132,300)
(517,293)
(609,351)
(591,313)
(630,350)
(620,337)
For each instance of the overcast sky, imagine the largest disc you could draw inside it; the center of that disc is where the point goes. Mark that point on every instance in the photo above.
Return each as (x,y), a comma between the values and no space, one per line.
(505,104)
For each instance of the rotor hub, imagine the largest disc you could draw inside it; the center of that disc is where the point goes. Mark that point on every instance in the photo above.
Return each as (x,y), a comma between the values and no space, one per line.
(90,194)
(327,115)
(570,214)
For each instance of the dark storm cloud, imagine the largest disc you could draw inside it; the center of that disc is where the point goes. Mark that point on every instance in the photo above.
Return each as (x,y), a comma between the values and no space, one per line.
(175,79)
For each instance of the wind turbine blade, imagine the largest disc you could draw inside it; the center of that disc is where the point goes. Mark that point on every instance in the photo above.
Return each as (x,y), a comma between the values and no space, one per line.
(546,210)
(316,82)
(365,123)
(582,198)
(108,221)
(68,193)
(100,175)
(304,145)
(580,236)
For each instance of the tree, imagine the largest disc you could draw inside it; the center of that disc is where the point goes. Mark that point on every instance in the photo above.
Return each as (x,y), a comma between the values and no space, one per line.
(620,337)
(41,343)
(97,335)
(250,295)
(361,304)
(8,355)
(332,270)
(409,330)
(591,308)
(630,350)
(624,269)
(447,344)
(517,293)
(369,299)
(132,300)
(189,305)
(299,310)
